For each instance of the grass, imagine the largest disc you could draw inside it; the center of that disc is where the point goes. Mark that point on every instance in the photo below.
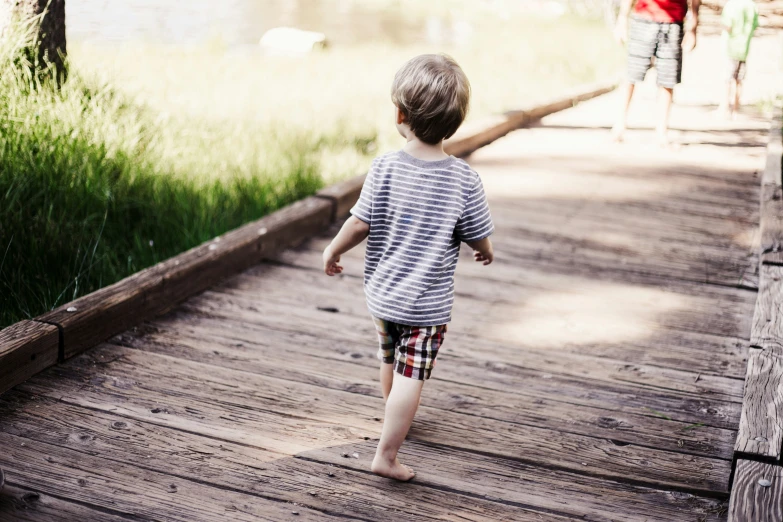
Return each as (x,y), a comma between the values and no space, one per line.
(91,188)
(147,151)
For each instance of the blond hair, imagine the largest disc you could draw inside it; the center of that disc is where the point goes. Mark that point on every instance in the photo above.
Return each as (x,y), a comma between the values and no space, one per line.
(433,94)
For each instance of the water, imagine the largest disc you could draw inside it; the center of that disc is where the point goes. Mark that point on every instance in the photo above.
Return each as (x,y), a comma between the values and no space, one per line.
(233,22)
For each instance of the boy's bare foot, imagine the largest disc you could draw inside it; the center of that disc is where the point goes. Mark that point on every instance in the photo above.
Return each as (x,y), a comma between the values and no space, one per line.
(392,469)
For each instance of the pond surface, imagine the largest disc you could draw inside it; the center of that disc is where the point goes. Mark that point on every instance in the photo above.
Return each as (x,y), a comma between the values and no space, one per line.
(233,22)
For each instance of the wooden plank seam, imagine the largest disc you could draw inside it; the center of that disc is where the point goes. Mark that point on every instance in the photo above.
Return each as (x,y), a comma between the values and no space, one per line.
(61,338)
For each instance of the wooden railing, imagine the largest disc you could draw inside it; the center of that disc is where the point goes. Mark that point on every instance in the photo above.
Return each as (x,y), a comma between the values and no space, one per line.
(757,477)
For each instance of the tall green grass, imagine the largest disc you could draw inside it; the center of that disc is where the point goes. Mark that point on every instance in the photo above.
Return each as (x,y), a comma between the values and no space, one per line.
(94,188)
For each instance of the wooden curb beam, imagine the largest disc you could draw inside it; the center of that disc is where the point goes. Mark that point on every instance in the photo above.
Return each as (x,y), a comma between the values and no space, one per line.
(757,478)
(462,147)
(108,311)
(26,348)
(757,495)
(29,347)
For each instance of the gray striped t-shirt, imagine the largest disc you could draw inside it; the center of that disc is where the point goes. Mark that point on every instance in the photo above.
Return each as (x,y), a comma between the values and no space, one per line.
(418,212)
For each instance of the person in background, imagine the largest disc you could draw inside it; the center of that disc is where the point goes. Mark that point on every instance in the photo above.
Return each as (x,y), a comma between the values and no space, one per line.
(656,30)
(740,18)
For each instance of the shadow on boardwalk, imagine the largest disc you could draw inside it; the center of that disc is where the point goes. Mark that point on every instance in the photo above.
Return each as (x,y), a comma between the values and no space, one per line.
(593,372)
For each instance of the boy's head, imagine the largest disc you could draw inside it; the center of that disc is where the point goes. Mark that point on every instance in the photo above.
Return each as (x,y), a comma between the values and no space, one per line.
(432,93)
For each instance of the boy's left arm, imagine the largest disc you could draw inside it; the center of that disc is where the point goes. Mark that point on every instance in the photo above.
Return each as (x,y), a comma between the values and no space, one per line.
(353,232)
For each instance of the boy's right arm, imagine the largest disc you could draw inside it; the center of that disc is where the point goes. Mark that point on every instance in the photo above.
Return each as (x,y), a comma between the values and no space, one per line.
(482,250)
(353,232)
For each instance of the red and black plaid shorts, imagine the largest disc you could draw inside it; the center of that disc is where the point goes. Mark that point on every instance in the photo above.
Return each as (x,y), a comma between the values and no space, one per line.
(412,349)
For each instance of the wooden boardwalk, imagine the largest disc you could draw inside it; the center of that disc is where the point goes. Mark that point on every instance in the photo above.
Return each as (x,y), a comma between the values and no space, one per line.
(594,372)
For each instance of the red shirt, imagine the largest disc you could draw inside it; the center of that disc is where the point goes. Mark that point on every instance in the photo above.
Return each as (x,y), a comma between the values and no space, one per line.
(661,10)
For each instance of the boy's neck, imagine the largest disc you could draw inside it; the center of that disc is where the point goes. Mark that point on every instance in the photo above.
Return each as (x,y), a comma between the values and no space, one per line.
(425,151)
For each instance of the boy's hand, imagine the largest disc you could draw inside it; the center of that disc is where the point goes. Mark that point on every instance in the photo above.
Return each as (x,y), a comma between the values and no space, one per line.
(485,257)
(331,266)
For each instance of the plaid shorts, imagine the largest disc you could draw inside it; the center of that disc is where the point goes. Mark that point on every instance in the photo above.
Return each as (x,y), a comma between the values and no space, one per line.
(412,349)
(648,39)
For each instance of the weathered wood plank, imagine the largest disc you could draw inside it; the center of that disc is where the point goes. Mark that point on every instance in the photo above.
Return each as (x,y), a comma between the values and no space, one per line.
(441,471)
(494,346)
(357,373)
(761,424)
(504,479)
(772,224)
(767,328)
(113,309)
(773,169)
(134,491)
(28,505)
(618,397)
(569,299)
(176,384)
(515,272)
(254,470)
(757,493)
(26,348)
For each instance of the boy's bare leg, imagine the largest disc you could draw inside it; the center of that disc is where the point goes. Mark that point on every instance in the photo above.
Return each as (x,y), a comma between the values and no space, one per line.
(737,92)
(626,93)
(401,407)
(665,95)
(387,374)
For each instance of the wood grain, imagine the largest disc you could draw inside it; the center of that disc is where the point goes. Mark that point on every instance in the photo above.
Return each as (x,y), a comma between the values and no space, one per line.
(767,328)
(26,348)
(356,372)
(442,471)
(251,402)
(753,502)
(28,505)
(134,491)
(761,424)
(618,397)
(773,169)
(494,346)
(772,224)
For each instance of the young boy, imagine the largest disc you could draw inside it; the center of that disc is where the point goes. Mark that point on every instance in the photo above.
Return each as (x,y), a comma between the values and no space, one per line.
(416,206)
(740,18)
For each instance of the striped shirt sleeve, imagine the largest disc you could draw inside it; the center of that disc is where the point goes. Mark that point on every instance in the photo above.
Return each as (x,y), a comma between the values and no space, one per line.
(475,223)
(363,208)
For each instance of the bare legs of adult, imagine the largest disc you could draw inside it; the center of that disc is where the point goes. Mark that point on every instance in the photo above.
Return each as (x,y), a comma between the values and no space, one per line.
(665,95)
(626,93)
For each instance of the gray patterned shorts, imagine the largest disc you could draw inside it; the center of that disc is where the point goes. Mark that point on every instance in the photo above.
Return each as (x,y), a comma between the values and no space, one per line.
(659,40)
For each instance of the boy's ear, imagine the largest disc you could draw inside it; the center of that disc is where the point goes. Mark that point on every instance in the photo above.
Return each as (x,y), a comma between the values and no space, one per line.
(401,117)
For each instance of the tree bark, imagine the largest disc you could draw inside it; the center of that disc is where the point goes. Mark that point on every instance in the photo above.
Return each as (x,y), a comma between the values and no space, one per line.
(50,45)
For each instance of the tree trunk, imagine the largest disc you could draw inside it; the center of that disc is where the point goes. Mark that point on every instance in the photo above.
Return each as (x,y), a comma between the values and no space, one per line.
(50,46)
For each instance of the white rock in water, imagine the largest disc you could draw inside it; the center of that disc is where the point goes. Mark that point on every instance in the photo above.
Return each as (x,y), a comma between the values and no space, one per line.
(288,40)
